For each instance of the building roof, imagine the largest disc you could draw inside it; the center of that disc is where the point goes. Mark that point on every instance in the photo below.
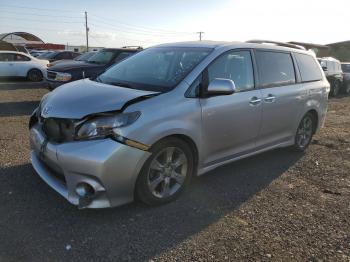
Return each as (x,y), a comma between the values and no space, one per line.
(340,43)
(20,38)
(309,44)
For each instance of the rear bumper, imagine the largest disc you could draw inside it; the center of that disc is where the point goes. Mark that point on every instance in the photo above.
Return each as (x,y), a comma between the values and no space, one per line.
(111,168)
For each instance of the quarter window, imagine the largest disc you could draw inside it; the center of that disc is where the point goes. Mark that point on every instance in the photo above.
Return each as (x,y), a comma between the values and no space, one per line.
(237,66)
(21,58)
(275,68)
(309,70)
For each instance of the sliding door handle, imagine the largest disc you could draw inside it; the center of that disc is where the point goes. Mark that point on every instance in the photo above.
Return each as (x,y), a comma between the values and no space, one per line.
(270,98)
(254,101)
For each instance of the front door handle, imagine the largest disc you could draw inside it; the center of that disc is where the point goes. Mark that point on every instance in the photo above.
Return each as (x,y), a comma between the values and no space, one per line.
(255,101)
(270,98)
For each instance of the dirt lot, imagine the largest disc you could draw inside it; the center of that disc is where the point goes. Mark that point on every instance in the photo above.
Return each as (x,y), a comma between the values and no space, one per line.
(277,206)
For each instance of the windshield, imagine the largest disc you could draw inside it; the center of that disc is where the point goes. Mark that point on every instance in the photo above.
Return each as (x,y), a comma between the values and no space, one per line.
(155,69)
(48,54)
(345,68)
(102,57)
(84,57)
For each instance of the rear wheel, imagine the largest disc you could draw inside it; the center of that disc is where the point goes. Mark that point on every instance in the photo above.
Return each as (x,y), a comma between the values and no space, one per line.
(166,173)
(35,75)
(347,88)
(304,132)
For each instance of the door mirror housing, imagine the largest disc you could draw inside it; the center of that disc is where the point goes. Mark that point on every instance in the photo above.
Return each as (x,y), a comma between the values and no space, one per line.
(221,87)
(325,68)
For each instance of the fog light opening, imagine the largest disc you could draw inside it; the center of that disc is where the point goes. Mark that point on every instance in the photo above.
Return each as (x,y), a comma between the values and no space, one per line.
(84,190)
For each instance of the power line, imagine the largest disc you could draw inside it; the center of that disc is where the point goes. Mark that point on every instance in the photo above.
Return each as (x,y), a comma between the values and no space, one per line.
(138,31)
(35,8)
(132,39)
(143,28)
(35,14)
(99,24)
(37,28)
(42,21)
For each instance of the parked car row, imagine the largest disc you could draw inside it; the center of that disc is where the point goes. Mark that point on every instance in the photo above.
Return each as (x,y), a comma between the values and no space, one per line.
(69,71)
(337,77)
(147,124)
(346,77)
(64,66)
(17,64)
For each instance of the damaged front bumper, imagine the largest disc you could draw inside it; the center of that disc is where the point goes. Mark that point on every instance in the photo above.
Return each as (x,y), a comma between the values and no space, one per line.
(107,167)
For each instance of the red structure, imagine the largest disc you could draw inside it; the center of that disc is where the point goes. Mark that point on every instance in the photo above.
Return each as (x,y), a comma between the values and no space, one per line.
(47,46)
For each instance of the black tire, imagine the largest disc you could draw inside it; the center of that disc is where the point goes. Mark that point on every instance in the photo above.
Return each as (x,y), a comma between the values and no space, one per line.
(335,88)
(35,75)
(301,146)
(347,88)
(143,191)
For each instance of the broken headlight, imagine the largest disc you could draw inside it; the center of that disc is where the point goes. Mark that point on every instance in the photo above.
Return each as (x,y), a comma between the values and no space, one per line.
(104,126)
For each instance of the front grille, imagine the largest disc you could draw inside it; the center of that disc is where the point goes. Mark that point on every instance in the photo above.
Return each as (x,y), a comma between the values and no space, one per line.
(58,130)
(51,75)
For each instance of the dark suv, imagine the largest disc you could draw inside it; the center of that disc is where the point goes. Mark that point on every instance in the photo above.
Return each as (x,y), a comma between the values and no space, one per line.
(65,72)
(333,72)
(346,73)
(58,55)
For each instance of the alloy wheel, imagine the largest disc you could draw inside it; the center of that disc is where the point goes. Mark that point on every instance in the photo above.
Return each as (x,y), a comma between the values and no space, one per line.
(304,132)
(167,172)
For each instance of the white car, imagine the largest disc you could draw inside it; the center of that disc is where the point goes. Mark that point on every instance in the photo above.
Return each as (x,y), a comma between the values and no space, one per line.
(17,64)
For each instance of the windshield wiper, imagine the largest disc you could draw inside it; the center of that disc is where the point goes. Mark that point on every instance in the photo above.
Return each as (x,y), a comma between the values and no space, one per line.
(120,84)
(95,62)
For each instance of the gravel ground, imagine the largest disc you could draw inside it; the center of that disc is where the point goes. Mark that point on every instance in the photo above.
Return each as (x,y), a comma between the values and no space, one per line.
(277,206)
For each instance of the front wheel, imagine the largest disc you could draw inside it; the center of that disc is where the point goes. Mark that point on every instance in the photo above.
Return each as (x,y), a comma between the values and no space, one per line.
(304,132)
(35,75)
(166,173)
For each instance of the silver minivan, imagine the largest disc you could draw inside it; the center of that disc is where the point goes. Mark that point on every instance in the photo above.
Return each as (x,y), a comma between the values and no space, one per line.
(144,127)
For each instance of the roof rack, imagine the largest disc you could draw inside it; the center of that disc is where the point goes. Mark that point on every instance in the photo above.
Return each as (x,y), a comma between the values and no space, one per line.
(133,46)
(276,43)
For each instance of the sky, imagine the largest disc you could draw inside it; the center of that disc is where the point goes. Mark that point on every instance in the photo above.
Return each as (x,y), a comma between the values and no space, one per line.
(115,23)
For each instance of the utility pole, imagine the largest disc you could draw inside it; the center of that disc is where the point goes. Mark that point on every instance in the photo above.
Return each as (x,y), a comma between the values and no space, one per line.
(200,35)
(87,33)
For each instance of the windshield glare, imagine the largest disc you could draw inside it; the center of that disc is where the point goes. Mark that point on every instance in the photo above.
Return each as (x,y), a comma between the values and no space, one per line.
(101,57)
(85,56)
(48,54)
(155,69)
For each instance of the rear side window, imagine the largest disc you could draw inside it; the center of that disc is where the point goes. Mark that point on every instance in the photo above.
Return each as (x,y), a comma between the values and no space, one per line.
(275,68)
(7,57)
(309,70)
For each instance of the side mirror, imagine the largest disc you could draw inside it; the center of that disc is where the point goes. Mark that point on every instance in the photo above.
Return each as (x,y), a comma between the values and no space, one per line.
(221,87)
(324,68)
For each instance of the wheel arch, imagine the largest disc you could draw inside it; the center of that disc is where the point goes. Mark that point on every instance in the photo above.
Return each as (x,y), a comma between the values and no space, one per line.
(188,140)
(314,113)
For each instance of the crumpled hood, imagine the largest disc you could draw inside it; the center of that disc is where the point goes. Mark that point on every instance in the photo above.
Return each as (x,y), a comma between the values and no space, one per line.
(72,64)
(80,98)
